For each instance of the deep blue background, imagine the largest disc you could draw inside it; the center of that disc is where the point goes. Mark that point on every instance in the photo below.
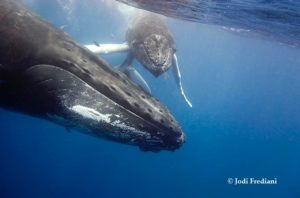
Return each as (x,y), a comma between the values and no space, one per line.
(245,121)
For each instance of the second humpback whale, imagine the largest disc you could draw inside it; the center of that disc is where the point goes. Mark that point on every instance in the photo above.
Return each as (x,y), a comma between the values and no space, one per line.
(148,40)
(44,73)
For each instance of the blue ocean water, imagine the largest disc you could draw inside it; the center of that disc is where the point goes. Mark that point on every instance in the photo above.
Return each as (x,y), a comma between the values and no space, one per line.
(245,122)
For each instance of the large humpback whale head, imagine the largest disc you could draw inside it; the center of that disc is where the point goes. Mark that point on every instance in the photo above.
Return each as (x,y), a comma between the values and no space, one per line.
(151,43)
(44,73)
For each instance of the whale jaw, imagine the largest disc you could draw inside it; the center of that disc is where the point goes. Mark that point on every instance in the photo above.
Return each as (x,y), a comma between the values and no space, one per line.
(59,96)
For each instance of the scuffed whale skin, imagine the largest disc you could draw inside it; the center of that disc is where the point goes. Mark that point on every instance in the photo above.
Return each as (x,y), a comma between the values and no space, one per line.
(44,73)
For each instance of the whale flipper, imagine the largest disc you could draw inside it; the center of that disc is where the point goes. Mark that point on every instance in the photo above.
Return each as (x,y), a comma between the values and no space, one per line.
(136,77)
(177,76)
(107,48)
(127,68)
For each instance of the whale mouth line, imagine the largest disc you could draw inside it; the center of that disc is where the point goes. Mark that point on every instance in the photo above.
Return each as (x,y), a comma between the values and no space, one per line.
(91,87)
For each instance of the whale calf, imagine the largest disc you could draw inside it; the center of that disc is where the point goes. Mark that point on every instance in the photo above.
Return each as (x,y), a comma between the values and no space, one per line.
(46,74)
(151,43)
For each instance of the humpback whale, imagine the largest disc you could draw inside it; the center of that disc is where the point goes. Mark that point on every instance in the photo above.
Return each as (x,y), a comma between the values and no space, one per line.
(149,40)
(151,43)
(46,74)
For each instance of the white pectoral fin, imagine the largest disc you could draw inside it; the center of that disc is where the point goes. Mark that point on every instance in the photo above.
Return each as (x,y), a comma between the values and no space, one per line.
(177,76)
(107,48)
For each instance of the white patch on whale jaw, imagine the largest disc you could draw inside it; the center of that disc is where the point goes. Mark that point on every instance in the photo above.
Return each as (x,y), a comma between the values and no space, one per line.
(122,130)
(90,113)
(93,115)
